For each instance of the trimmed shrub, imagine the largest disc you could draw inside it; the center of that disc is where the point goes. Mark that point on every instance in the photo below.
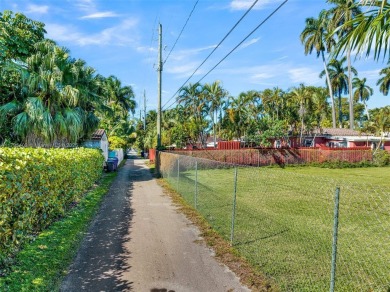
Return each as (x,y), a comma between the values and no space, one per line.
(37,186)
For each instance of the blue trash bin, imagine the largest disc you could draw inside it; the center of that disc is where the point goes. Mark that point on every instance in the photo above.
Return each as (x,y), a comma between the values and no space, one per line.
(114,161)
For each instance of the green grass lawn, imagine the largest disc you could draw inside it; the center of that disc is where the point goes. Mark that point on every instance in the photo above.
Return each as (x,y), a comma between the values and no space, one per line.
(284,221)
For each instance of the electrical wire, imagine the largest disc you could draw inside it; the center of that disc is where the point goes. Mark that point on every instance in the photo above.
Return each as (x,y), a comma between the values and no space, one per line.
(240,43)
(185,24)
(212,52)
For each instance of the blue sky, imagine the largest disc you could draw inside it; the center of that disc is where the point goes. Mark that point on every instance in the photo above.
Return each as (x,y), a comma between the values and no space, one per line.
(119,37)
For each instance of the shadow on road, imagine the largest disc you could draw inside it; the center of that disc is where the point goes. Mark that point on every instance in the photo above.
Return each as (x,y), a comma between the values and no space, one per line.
(102,258)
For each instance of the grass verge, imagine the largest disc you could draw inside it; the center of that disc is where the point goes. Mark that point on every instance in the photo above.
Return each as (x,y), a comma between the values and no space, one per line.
(250,277)
(42,264)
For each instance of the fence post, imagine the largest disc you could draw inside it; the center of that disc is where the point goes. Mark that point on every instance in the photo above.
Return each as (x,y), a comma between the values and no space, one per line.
(335,233)
(178,173)
(196,184)
(234,206)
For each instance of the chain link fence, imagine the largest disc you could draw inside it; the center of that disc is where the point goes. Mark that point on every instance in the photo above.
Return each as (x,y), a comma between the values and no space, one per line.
(285,223)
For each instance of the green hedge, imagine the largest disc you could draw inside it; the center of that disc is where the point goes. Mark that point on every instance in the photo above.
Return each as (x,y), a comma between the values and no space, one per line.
(37,186)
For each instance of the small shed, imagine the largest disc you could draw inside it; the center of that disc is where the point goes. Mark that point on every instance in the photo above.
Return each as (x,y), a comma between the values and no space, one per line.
(98,140)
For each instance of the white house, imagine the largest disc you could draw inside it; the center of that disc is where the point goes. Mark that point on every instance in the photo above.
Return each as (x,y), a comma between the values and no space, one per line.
(98,140)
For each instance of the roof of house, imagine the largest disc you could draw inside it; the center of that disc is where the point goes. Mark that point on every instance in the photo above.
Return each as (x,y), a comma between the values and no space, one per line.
(340,132)
(98,134)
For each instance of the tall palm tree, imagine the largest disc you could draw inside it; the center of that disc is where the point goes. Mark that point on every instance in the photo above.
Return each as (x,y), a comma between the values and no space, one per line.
(193,98)
(339,80)
(384,81)
(316,36)
(240,113)
(320,104)
(342,14)
(123,96)
(302,96)
(214,94)
(362,92)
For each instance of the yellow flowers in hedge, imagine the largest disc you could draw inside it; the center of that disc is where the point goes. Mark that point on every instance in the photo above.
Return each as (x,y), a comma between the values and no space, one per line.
(37,186)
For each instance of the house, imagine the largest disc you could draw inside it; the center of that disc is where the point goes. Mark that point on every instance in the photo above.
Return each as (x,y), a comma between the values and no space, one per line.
(344,138)
(98,140)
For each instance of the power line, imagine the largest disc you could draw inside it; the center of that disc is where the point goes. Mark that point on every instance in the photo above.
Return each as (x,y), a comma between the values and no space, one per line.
(185,24)
(240,43)
(216,47)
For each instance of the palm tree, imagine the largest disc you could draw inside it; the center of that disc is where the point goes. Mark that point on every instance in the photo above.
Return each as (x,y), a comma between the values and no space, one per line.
(193,98)
(239,113)
(338,80)
(344,12)
(302,96)
(54,103)
(121,96)
(380,124)
(214,94)
(370,30)
(316,36)
(320,104)
(384,82)
(362,92)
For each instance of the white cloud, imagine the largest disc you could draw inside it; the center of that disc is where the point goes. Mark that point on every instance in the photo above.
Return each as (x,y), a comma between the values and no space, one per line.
(116,35)
(249,43)
(85,5)
(37,9)
(183,70)
(261,76)
(304,75)
(184,54)
(370,74)
(245,4)
(105,14)
(143,49)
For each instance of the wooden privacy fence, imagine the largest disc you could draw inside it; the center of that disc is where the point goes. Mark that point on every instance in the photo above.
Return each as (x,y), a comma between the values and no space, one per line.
(270,156)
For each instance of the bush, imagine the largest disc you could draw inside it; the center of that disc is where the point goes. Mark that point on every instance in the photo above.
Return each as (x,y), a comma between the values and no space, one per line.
(381,158)
(37,186)
(117,143)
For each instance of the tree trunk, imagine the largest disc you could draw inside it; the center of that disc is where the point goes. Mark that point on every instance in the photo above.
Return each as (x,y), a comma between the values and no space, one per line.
(351,112)
(365,107)
(330,91)
(340,111)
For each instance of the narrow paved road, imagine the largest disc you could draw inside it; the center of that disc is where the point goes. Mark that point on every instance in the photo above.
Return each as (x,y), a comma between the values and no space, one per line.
(139,242)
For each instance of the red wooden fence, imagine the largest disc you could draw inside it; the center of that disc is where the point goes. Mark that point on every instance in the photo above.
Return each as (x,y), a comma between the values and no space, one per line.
(270,156)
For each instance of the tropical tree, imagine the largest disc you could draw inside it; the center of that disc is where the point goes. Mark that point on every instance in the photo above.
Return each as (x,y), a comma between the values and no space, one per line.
(53,104)
(384,81)
(302,95)
(316,35)
(321,109)
(342,15)
(338,80)
(239,114)
(214,94)
(370,30)
(193,98)
(18,35)
(362,92)
(379,124)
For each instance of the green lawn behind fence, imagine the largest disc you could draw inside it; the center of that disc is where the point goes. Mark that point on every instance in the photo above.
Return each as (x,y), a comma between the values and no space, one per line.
(284,221)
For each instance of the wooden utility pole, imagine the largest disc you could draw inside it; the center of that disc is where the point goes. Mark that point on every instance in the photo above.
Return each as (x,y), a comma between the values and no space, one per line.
(159,70)
(144,111)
